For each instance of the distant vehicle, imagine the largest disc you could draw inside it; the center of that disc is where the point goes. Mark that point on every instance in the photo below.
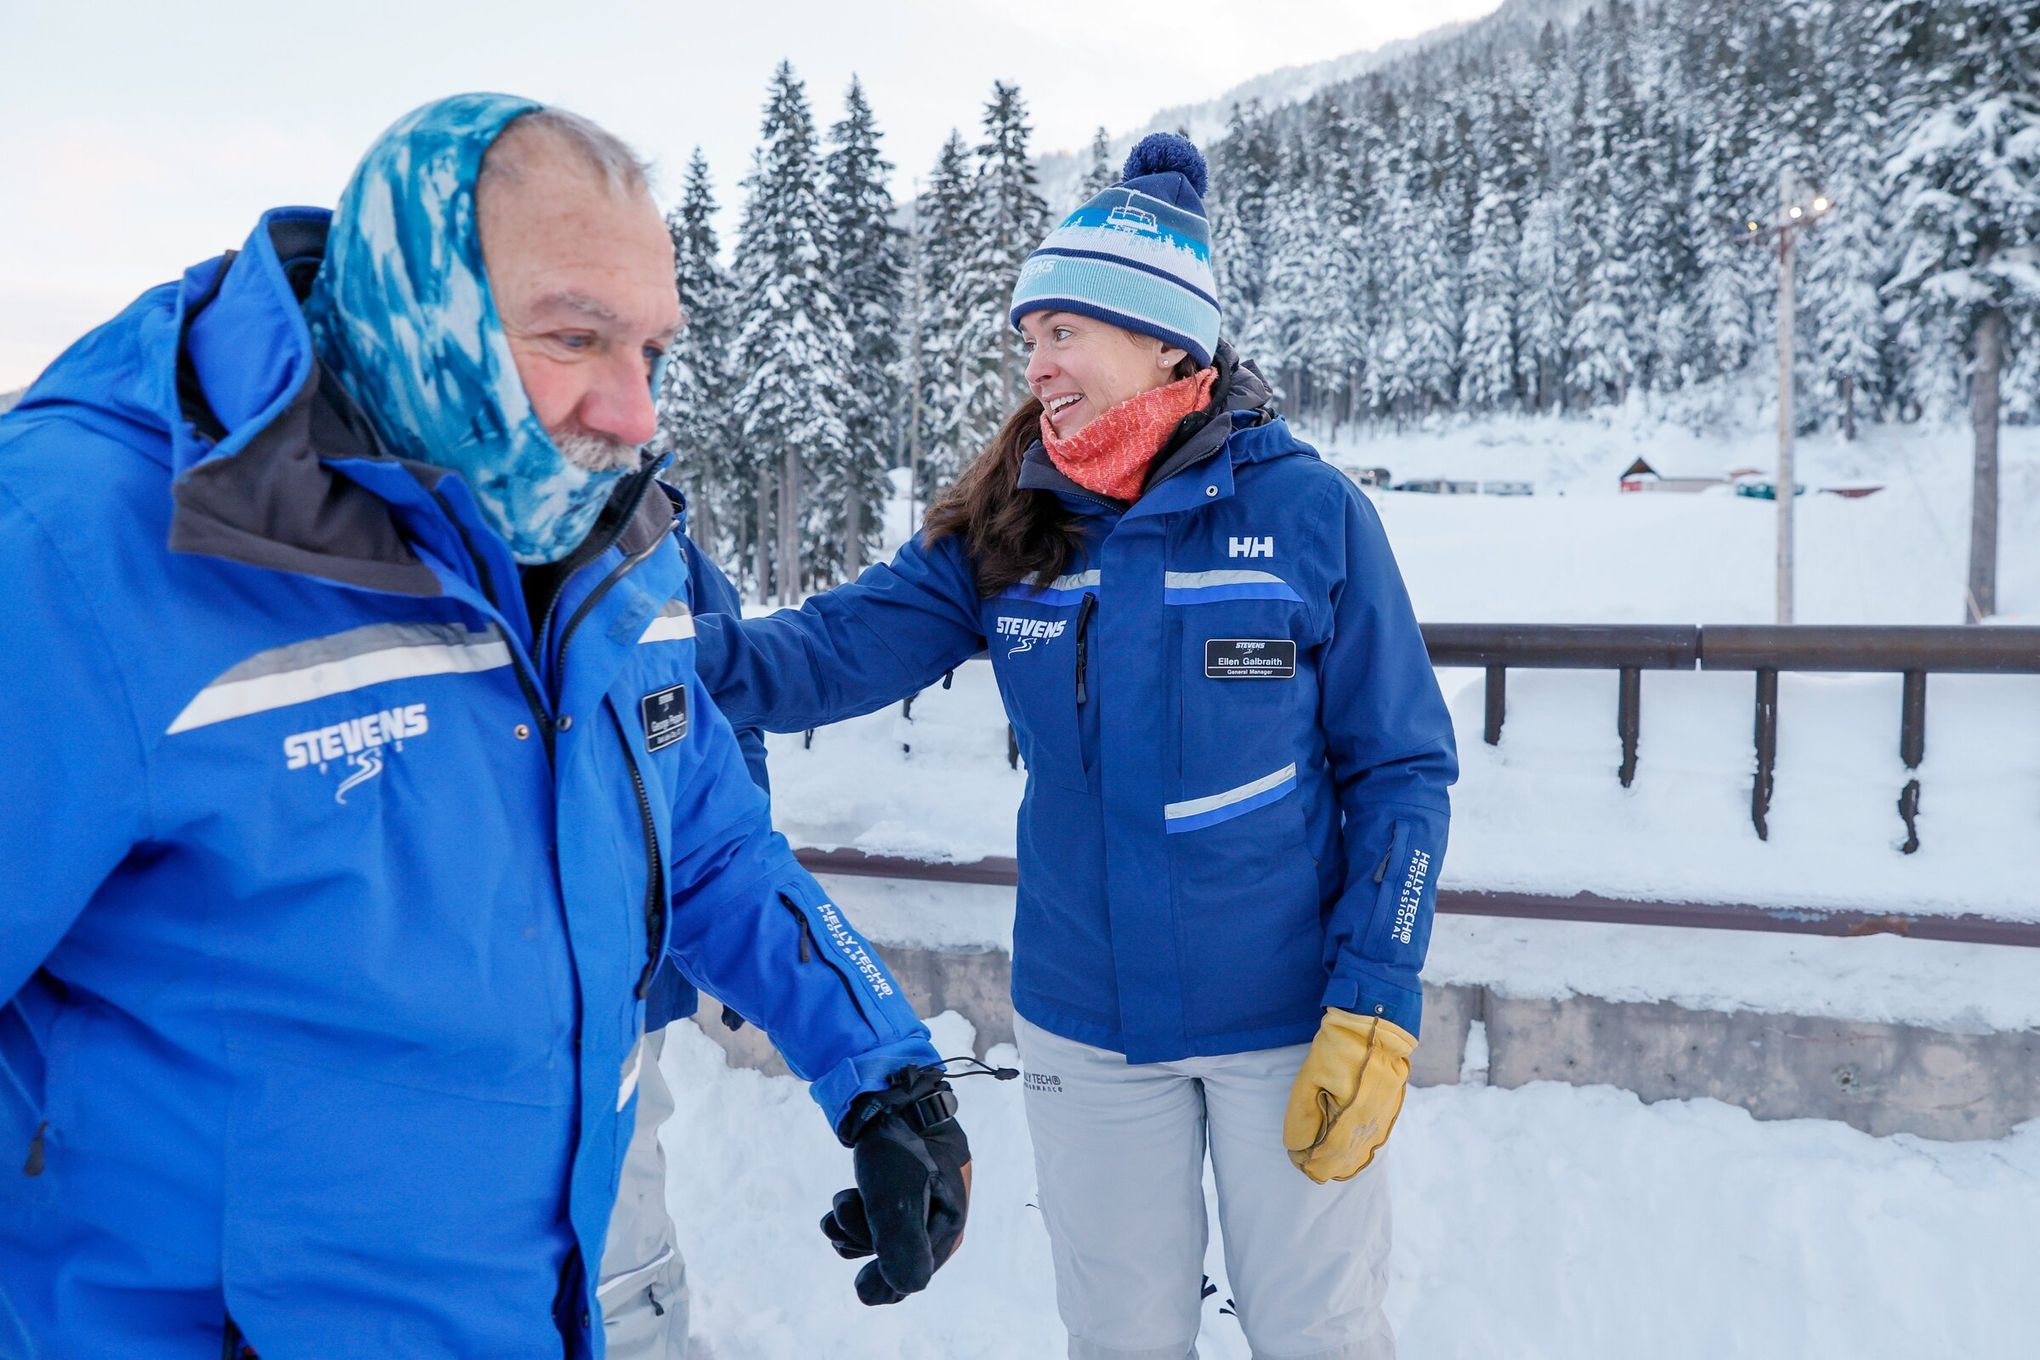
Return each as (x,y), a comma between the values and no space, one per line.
(1439,486)
(1126,217)
(1368,476)
(1492,487)
(1852,493)
(1764,489)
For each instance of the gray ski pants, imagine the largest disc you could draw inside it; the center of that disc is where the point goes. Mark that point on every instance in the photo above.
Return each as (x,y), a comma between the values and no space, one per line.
(643,1285)
(1119,1154)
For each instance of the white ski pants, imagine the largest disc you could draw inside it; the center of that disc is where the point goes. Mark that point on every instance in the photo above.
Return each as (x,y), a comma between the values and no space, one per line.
(643,1284)
(1119,1153)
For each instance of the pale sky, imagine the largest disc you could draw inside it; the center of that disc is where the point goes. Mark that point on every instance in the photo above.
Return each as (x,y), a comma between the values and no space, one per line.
(138,137)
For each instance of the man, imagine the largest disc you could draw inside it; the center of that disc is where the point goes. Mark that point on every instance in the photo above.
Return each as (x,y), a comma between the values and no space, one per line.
(362,782)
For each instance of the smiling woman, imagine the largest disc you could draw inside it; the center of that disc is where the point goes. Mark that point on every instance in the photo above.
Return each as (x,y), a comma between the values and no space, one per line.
(1237,758)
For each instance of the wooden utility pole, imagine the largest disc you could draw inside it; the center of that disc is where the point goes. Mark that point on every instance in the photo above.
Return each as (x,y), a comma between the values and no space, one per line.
(914,336)
(1983,505)
(1787,214)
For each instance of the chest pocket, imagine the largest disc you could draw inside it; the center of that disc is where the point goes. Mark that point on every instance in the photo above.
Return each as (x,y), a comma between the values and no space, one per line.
(1041,645)
(1249,683)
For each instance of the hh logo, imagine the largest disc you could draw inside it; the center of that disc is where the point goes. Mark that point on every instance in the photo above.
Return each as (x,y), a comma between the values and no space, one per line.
(1250,547)
(1027,632)
(360,742)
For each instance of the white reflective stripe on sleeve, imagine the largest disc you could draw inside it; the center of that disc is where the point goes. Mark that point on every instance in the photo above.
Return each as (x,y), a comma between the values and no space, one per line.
(225,699)
(669,628)
(1078,580)
(1197,807)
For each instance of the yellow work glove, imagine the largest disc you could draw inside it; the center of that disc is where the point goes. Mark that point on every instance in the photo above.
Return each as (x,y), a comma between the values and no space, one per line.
(1347,1095)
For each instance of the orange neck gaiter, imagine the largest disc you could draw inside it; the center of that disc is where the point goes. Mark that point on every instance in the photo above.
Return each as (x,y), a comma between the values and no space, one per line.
(1111,455)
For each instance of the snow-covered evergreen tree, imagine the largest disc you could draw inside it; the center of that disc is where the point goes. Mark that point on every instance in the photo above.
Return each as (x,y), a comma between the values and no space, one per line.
(1007,220)
(1488,376)
(695,410)
(870,266)
(1967,180)
(1100,174)
(795,401)
(942,239)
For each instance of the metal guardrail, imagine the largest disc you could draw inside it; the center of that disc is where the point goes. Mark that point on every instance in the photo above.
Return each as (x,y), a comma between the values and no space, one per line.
(1911,652)
(1962,929)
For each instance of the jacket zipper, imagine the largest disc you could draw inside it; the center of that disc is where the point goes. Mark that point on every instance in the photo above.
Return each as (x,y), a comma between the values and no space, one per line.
(811,949)
(533,699)
(622,569)
(655,869)
(1084,612)
(616,532)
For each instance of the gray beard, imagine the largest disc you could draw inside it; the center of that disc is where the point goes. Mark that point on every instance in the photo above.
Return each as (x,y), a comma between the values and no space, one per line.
(596,453)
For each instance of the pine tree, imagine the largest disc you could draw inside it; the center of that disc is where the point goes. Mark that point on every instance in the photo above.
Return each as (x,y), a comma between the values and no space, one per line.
(942,239)
(1967,176)
(694,396)
(1489,376)
(1101,174)
(796,397)
(1542,275)
(1007,220)
(1845,258)
(849,499)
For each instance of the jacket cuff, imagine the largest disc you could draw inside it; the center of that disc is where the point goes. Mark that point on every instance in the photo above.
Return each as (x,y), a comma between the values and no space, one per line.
(838,1088)
(1396,997)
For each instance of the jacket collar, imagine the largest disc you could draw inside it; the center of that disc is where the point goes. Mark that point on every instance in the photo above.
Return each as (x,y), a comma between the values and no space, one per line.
(1241,399)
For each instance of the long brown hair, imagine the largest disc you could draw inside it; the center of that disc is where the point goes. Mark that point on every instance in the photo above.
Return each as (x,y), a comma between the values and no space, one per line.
(1012,534)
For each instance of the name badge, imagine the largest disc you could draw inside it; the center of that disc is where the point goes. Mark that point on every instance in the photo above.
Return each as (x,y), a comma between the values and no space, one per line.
(665,715)
(1250,659)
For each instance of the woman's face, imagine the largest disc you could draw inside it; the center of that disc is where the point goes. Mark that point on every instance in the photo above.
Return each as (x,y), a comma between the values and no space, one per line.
(1080,368)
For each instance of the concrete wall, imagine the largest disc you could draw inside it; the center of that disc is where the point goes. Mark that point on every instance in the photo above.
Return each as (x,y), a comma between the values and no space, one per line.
(1879,1078)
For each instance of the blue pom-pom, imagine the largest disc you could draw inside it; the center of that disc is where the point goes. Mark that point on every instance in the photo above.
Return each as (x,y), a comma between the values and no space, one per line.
(1159,152)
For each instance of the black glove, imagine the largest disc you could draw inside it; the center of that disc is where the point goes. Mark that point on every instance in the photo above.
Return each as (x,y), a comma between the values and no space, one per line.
(913,1185)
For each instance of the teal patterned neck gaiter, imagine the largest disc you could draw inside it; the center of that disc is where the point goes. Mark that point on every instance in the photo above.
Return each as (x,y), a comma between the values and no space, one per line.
(402,315)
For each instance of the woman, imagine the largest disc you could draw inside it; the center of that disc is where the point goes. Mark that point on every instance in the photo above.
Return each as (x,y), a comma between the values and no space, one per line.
(1237,763)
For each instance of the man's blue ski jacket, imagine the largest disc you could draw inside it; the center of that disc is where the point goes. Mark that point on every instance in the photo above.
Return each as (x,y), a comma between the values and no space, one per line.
(333,880)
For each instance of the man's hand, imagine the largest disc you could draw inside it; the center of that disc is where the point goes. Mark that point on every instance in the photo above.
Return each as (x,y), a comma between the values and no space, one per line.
(1347,1095)
(913,1186)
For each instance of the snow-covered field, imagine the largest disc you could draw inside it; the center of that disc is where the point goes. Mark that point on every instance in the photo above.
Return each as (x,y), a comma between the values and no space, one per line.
(1543,1223)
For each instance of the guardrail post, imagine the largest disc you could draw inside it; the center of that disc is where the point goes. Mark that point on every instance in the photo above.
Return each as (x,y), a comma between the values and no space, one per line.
(1629,720)
(1912,749)
(1767,751)
(1497,703)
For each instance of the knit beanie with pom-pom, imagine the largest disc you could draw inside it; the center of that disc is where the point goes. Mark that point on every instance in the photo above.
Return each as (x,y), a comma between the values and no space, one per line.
(1138,255)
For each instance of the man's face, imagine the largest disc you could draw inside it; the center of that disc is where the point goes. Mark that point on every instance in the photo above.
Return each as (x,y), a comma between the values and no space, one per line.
(583,280)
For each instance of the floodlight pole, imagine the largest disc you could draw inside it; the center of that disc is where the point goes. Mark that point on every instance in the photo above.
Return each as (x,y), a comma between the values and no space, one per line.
(1791,217)
(1785,483)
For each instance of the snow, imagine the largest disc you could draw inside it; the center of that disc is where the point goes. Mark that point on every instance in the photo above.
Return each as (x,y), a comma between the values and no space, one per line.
(1545,1221)
(1544,812)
